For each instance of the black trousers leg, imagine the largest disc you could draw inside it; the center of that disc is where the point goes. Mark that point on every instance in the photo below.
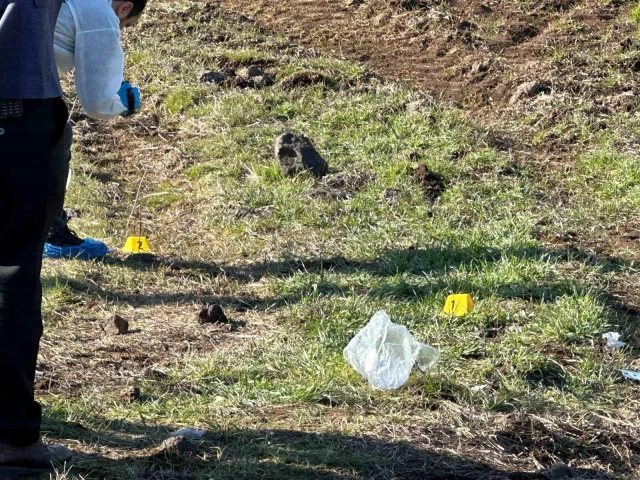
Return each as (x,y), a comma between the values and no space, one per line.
(60,221)
(32,185)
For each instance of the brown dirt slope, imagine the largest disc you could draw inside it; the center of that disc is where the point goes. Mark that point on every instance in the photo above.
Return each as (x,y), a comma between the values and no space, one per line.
(472,52)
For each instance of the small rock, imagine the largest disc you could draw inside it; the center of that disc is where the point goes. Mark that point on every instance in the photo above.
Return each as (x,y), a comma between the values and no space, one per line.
(116,325)
(130,394)
(251,71)
(211,76)
(212,314)
(432,184)
(176,446)
(296,154)
(558,472)
(528,90)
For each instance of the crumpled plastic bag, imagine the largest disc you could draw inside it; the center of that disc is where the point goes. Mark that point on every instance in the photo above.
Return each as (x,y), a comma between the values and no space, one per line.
(384,353)
(613,341)
(189,433)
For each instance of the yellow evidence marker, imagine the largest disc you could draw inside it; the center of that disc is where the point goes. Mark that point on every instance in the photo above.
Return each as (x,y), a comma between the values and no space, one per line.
(137,245)
(459,305)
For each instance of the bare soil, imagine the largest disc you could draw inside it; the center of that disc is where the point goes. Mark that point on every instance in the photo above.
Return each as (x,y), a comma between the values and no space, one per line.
(474,53)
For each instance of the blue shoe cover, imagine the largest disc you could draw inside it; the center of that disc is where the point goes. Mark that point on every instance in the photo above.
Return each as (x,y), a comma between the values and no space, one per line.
(90,249)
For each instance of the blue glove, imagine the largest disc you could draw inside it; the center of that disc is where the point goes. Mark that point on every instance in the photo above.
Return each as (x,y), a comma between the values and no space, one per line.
(130,98)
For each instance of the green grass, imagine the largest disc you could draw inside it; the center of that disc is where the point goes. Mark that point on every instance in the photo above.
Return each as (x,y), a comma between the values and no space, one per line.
(306,269)
(635,13)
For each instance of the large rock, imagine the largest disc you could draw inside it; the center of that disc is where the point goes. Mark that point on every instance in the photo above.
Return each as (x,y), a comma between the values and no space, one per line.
(296,154)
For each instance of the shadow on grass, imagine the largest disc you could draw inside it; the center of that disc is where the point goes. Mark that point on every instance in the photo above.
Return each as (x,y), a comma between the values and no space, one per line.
(389,263)
(403,275)
(268,454)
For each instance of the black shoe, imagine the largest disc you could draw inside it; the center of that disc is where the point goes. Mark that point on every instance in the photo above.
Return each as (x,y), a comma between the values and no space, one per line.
(32,461)
(65,237)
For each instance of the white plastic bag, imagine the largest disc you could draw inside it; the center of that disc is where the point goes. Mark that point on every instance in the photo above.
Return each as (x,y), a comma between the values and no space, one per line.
(613,341)
(384,353)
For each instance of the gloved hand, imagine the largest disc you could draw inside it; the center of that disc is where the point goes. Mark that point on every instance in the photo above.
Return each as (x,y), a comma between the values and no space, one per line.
(130,97)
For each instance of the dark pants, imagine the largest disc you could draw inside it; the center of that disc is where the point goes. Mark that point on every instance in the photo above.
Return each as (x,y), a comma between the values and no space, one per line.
(32,185)
(61,219)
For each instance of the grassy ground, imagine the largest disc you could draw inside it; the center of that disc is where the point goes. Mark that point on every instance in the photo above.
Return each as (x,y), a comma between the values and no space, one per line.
(524,382)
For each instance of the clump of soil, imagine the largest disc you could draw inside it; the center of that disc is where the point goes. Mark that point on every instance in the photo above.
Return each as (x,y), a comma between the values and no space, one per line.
(431,183)
(116,325)
(213,77)
(212,314)
(522,32)
(296,154)
(306,79)
(252,76)
(130,394)
(176,446)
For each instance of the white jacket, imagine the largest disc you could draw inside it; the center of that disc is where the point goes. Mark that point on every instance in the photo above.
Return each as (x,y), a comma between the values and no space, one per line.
(87,37)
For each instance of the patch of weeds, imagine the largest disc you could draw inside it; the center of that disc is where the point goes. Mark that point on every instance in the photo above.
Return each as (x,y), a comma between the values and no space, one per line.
(201,170)
(635,13)
(180,99)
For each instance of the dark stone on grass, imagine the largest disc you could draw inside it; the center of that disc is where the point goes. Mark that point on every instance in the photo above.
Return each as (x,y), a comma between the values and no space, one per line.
(212,77)
(212,314)
(261,81)
(432,184)
(116,325)
(296,154)
(492,332)
(252,71)
(174,446)
(329,401)
(130,394)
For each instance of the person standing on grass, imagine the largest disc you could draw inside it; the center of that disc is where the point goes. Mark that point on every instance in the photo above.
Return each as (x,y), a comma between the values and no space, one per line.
(32,119)
(87,38)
